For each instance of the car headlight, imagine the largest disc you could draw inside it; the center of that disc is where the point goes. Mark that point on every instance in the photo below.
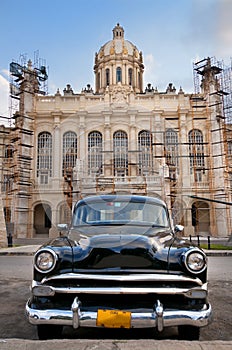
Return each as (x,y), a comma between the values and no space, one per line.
(195,261)
(45,260)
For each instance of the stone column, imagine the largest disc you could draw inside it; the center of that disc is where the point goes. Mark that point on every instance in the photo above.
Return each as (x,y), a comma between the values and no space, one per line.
(107,148)
(123,73)
(135,78)
(57,147)
(102,79)
(114,75)
(126,75)
(3,234)
(53,231)
(184,172)
(133,145)
(157,136)
(82,147)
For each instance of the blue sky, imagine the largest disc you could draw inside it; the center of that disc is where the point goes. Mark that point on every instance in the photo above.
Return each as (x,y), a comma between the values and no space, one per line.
(171,35)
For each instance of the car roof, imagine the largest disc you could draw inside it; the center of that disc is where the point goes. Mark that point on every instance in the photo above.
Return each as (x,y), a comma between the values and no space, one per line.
(121,197)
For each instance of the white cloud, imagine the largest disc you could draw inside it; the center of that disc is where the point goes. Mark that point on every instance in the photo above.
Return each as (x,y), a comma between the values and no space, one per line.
(224,32)
(152,67)
(4,96)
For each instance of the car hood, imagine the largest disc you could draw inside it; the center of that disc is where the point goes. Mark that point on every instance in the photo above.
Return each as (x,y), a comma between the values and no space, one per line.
(156,252)
(119,249)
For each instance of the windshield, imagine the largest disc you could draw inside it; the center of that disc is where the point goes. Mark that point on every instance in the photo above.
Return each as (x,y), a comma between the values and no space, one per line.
(119,212)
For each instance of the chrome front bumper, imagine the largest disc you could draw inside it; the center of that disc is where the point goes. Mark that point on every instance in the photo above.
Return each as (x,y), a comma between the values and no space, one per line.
(157,318)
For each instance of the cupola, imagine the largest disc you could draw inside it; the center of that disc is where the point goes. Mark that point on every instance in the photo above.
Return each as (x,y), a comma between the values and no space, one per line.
(118,62)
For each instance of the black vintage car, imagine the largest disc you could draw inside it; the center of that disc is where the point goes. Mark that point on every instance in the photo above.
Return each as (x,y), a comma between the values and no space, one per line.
(119,265)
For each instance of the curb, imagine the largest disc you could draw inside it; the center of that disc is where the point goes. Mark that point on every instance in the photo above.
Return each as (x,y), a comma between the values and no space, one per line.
(16,254)
(218,252)
(82,344)
(28,250)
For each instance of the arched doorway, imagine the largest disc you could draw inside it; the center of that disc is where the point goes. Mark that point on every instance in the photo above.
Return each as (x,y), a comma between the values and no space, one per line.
(42,219)
(201,217)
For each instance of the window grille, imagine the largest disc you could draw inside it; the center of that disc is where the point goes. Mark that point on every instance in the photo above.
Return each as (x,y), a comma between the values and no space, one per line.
(196,153)
(95,153)
(107,77)
(69,151)
(171,147)
(145,152)
(44,158)
(118,75)
(130,76)
(120,144)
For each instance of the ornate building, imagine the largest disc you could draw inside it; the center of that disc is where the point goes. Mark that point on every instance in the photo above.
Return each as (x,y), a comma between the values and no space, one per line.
(116,138)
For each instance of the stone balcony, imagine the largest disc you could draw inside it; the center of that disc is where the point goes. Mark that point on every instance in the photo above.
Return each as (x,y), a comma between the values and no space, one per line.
(92,185)
(113,184)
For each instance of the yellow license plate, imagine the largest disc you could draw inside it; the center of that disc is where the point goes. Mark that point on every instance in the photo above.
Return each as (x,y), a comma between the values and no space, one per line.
(113,319)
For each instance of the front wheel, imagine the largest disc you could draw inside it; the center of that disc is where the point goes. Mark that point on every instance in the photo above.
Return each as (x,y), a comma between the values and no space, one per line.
(49,331)
(189,333)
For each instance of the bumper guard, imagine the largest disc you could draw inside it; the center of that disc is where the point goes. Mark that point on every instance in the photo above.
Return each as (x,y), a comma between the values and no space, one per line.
(157,318)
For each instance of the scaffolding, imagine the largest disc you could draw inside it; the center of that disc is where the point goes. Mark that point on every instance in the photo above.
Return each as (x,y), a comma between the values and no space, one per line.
(135,168)
(26,80)
(223,83)
(213,94)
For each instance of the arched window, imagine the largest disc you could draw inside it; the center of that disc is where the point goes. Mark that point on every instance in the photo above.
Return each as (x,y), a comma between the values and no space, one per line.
(7,183)
(95,153)
(171,147)
(118,75)
(229,147)
(69,152)
(44,156)
(145,152)
(9,150)
(120,144)
(107,77)
(196,154)
(130,76)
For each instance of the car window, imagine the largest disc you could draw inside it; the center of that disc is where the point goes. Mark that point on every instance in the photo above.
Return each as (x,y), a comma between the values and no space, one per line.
(115,212)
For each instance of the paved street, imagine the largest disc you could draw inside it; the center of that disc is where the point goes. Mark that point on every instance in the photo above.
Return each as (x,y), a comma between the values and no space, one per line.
(15,277)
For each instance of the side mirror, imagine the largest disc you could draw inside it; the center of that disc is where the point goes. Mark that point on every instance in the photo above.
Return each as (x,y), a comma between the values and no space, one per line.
(178,228)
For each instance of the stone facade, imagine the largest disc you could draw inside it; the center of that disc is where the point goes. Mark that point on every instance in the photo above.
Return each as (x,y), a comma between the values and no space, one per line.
(118,138)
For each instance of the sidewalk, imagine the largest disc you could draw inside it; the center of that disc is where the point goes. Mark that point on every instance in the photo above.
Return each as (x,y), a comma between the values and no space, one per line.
(84,344)
(20,250)
(31,249)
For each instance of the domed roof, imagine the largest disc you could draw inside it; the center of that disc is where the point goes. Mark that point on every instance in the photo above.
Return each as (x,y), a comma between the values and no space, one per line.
(118,62)
(118,45)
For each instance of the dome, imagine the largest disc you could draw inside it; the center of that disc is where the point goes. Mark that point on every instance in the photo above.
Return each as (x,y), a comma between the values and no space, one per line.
(118,45)
(118,62)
